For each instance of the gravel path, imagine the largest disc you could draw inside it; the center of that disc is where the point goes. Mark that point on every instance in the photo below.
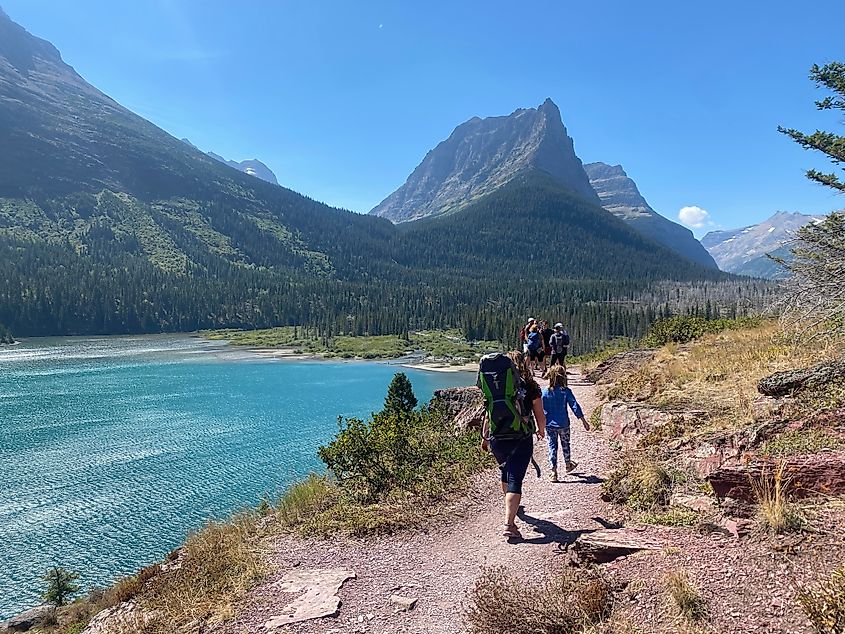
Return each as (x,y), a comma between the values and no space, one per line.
(439,564)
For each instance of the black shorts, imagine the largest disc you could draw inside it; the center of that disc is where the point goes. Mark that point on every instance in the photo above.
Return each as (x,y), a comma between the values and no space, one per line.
(513,456)
(536,355)
(558,359)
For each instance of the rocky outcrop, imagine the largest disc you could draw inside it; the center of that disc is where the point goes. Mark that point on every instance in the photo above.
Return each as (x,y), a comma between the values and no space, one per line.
(465,405)
(621,197)
(631,422)
(791,381)
(36,617)
(481,156)
(804,476)
(619,365)
(120,618)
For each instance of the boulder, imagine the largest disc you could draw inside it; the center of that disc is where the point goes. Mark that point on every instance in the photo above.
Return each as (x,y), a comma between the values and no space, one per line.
(630,422)
(603,546)
(791,381)
(805,476)
(123,617)
(465,405)
(402,603)
(619,365)
(25,621)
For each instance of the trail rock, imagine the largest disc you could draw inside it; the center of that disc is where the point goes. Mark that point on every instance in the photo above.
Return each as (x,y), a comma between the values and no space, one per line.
(403,604)
(319,599)
(619,365)
(603,546)
(790,381)
(809,475)
(25,621)
(465,405)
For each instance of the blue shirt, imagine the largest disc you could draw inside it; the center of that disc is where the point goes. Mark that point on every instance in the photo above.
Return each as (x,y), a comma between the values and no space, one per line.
(554,405)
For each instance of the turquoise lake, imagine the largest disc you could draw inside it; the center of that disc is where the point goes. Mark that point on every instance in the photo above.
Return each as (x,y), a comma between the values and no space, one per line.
(113,448)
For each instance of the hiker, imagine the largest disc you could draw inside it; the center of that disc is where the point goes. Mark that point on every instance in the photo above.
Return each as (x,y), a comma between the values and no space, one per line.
(559,343)
(556,398)
(546,333)
(534,346)
(523,335)
(512,396)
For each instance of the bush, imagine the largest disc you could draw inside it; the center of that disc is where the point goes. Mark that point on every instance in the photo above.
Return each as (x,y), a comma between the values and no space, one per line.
(824,603)
(306,500)
(397,453)
(502,603)
(683,329)
(776,512)
(639,482)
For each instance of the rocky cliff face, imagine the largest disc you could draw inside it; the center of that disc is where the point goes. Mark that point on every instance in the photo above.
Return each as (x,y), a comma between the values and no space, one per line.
(621,197)
(480,156)
(744,250)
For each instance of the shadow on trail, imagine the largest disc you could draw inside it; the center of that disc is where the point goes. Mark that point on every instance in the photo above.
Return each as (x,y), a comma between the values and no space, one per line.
(550,532)
(577,478)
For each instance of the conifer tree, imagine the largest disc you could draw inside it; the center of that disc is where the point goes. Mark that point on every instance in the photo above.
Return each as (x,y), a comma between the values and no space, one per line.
(815,301)
(400,395)
(61,585)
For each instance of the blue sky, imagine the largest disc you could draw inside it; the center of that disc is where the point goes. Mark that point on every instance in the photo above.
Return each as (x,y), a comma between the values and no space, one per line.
(343,99)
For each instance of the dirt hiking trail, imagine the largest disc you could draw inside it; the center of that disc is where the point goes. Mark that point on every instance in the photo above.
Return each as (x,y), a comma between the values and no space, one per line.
(438,564)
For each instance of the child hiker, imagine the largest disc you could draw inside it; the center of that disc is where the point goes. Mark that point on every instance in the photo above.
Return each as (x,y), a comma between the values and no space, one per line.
(556,398)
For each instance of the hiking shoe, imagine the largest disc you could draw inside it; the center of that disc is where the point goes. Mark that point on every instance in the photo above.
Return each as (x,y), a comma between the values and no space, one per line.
(511,532)
(553,475)
(570,466)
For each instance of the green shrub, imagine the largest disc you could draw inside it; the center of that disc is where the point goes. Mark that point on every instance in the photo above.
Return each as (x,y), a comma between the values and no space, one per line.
(801,441)
(672,516)
(595,418)
(61,585)
(400,453)
(682,329)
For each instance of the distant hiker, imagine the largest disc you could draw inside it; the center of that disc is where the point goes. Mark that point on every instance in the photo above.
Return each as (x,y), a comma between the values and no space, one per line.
(556,398)
(546,333)
(534,346)
(523,334)
(512,397)
(559,343)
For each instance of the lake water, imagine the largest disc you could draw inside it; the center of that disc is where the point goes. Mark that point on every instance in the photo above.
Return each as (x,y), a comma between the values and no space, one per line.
(113,448)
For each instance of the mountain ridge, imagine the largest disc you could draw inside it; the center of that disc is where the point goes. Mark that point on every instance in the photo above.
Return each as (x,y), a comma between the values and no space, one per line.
(620,195)
(481,155)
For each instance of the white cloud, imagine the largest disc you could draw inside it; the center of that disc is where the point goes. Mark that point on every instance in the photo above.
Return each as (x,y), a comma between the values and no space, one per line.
(694,216)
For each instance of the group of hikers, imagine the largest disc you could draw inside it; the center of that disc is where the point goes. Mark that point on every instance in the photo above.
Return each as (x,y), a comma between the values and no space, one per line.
(543,346)
(518,409)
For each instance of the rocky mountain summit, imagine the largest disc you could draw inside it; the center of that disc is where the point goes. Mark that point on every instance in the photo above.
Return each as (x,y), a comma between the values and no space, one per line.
(253,167)
(621,197)
(482,155)
(743,251)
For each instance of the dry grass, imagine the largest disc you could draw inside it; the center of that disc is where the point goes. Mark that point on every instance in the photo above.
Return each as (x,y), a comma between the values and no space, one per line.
(719,373)
(691,605)
(502,603)
(305,500)
(640,482)
(775,512)
(824,603)
(801,441)
(218,565)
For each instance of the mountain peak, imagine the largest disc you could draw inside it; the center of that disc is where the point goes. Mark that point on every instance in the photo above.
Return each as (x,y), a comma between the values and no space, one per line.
(482,155)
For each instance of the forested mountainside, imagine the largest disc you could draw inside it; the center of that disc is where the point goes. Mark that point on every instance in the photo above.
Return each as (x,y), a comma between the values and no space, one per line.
(110,225)
(621,197)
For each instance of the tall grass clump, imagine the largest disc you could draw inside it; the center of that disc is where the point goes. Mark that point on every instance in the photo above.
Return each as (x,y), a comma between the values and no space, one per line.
(775,511)
(639,482)
(689,602)
(569,602)
(824,603)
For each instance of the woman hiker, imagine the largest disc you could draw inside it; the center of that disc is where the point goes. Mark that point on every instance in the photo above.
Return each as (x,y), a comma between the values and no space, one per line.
(514,451)
(556,399)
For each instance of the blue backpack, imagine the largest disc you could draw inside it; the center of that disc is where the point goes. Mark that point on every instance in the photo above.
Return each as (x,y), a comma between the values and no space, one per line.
(534,342)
